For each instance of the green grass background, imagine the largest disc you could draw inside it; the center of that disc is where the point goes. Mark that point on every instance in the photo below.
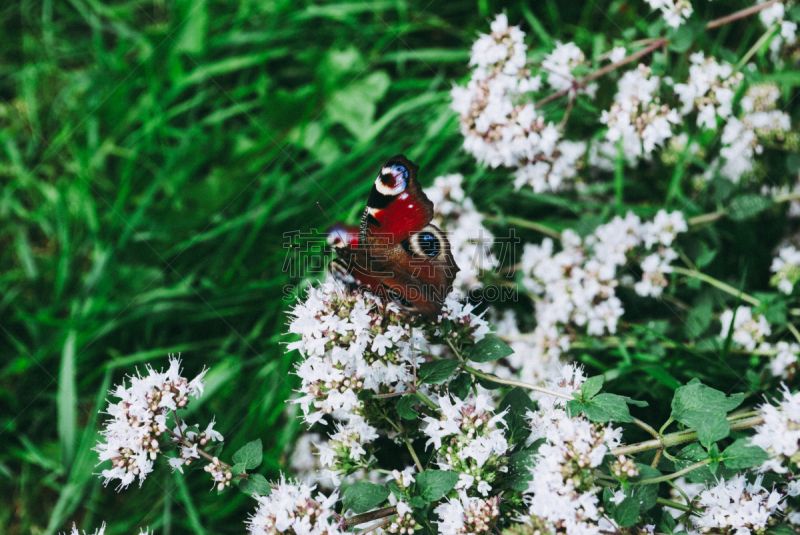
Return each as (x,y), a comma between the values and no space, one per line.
(152,156)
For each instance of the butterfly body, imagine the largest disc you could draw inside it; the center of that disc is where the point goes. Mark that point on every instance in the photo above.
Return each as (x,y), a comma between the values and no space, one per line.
(396,251)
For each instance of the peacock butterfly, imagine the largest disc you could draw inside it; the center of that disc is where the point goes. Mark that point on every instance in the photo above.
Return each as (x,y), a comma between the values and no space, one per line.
(396,252)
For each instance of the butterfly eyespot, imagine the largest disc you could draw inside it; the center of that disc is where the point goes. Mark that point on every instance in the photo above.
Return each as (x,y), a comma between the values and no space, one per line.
(392,180)
(429,242)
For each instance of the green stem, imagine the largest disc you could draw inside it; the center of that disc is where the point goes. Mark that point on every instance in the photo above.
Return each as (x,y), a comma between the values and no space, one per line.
(413,453)
(753,49)
(524,223)
(426,400)
(673,475)
(673,505)
(689,435)
(717,284)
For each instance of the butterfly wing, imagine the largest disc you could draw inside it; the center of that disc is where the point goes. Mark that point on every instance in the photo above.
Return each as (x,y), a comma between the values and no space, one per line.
(396,205)
(397,252)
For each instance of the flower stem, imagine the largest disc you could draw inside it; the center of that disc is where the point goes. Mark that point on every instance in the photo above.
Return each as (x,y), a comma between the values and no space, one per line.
(673,505)
(753,49)
(673,475)
(717,283)
(413,453)
(524,223)
(689,435)
(739,15)
(367,517)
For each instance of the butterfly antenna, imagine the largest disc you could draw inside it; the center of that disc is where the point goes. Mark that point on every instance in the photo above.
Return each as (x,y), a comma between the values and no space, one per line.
(338,230)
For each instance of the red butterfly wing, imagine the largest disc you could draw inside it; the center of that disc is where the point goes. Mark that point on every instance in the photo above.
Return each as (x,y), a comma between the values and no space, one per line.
(397,206)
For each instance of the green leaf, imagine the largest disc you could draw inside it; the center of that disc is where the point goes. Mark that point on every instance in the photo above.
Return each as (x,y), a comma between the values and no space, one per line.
(627,512)
(645,495)
(255,485)
(667,523)
(250,454)
(404,407)
(635,402)
(354,106)
(781,529)
(519,469)
(365,395)
(417,502)
(488,350)
(364,496)
(605,407)
(706,256)
(741,454)
(684,37)
(592,386)
(437,371)
(694,453)
(699,318)
(488,384)
(435,484)
(238,468)
(518,403)
(704,408)
(747,206)
(460,385)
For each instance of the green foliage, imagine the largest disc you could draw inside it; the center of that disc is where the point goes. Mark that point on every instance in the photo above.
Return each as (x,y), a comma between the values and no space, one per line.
(488,350)
(364,496)
(705,409)
(437,371)
(434,484)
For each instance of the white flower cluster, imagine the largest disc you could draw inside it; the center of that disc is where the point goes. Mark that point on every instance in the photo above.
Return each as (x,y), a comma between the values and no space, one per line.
(351,341)
(469,441)
(749,329)
(710,90)
(139,418)
(785,362)
(466,326)
(577,284)
(675,12)
(741,137)
(786,267)
(344,451)
(779,436)
(776,14)
(470,241)
(499,127)
(468,516)
(289,510)
(637,119)
(560,65)
(736,506)
(187,454)
(562,492)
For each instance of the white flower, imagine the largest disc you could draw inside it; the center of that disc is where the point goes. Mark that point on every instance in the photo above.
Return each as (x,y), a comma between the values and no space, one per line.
(470,241)
(562,491)
(675,12)
(467,516)
(748,330)
(290,510)
(560,63)
(351,341)
(617,54)
(139,419)
(780,433)
(710,89)
(637,120)
(786,266)
(737,505)
(469,440)
(785,361)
